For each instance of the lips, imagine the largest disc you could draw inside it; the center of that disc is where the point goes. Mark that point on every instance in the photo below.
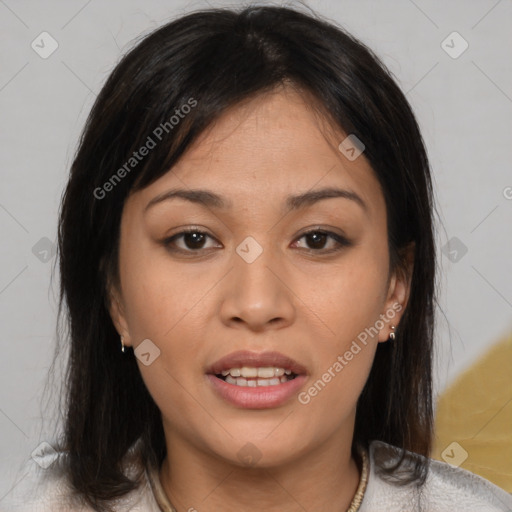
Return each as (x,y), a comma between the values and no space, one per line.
(254,393)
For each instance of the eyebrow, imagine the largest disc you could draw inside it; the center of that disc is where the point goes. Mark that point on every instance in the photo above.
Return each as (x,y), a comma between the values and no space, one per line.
(293,202)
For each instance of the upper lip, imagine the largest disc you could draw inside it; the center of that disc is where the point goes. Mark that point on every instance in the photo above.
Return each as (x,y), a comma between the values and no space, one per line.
(256,360)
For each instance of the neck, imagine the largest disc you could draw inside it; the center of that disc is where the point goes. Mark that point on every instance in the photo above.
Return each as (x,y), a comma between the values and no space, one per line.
(325,479)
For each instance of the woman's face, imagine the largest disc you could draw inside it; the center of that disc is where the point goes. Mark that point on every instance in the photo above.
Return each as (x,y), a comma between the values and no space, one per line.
(249,278)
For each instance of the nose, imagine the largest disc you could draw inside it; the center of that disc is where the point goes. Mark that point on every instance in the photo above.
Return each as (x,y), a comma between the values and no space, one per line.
(257,295)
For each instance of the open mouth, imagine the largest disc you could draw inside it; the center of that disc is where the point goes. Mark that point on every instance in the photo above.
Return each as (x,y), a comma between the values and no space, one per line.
(256,376)
(251,380)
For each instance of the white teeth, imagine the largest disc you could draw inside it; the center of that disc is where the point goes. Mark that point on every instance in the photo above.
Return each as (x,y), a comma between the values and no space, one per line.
(248,372)
(238,382)
(230,380)
(267,372)
(253,383)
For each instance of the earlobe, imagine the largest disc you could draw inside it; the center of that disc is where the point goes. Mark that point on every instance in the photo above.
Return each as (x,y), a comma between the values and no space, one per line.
(117,315)
(398,294)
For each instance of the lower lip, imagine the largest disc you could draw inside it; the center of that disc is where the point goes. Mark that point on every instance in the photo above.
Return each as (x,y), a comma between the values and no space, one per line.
(261,397)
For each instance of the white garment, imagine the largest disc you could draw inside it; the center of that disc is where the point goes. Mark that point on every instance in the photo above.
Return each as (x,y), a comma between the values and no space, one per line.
(447,489)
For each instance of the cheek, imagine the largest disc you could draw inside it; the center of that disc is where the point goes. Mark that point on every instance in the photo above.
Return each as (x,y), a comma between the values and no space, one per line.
(347,296)
(157,299)
(165,308)
(349,301)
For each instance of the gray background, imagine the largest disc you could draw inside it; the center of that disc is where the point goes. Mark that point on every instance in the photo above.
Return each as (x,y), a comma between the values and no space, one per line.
(463,104)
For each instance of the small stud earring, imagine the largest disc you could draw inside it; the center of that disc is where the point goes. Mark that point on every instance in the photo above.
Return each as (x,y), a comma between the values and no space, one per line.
(392,334)
(122,343)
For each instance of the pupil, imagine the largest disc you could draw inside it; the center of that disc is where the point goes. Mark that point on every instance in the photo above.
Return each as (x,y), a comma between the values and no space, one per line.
(196,238)
(316,244)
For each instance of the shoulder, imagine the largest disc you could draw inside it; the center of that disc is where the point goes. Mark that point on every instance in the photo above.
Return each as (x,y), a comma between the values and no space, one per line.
(447,488)
(42,486)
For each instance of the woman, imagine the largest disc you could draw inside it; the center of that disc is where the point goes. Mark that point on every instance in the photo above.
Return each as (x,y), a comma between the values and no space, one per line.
(247,257)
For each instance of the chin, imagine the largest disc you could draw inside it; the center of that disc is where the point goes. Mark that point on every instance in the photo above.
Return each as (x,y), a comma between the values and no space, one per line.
(262,448)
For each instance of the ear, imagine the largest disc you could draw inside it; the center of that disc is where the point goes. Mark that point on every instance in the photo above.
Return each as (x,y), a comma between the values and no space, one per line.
(117,313)
(399,290)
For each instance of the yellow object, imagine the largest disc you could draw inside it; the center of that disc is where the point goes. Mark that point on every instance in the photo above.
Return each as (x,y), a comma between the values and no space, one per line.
(474,418)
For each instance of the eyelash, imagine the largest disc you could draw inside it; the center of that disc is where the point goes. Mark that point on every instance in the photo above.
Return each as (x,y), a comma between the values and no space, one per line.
(340,240)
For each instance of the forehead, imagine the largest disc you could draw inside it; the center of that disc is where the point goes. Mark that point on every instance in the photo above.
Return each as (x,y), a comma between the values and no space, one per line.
(269,147)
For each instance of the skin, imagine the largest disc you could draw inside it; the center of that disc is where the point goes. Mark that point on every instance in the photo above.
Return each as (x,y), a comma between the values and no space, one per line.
(197,307)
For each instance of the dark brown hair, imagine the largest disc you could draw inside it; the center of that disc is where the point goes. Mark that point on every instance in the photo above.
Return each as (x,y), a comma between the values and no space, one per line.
(218,58)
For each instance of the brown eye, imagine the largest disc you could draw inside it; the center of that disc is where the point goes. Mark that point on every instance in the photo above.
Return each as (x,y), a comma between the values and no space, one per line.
(191,240)
(194,240)
(316,241)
